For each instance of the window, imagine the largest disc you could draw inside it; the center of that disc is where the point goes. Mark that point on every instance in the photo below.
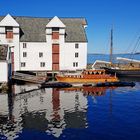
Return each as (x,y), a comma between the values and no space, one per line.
(42,64)
(55,33)
(24,54)
(40,54)
(75,64)
(76,54)
(76,46)
(23,64)
(9,32)
(24,45)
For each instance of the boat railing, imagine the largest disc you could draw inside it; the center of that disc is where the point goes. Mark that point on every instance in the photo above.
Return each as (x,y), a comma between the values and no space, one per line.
(69,73)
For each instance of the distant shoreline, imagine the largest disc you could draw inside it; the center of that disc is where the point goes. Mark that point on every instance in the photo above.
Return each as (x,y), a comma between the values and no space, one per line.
(113,54)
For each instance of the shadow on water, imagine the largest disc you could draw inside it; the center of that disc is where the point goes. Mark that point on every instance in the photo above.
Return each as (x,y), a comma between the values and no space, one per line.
(129,79)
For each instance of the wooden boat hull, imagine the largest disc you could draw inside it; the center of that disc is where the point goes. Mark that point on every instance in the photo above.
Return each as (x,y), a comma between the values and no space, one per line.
(85,80)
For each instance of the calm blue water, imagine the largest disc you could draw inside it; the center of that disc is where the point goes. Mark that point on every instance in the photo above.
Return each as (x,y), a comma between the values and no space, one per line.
(92,57)
(97,113)
(70,114)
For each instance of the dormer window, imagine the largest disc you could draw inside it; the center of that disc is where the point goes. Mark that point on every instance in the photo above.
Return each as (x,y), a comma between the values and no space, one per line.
(55,33)
(9,32)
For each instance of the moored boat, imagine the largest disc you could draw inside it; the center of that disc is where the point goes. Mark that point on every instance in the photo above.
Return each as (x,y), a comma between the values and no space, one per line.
(124,72)
(87,76)
(129,69)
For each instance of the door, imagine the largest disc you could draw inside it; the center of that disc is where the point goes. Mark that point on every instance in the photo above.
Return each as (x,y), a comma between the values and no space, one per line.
(55,57)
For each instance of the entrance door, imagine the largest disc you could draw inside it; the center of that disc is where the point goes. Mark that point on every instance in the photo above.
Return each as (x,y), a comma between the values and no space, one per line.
(55,57)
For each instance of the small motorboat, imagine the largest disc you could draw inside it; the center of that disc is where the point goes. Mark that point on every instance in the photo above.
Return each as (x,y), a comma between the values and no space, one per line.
(87,76)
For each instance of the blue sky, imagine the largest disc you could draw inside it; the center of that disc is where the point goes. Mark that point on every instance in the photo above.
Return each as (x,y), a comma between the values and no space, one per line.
(101,15)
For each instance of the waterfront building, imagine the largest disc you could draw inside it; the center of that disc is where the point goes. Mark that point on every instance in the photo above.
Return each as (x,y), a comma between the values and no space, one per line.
(5,63)
(45,44)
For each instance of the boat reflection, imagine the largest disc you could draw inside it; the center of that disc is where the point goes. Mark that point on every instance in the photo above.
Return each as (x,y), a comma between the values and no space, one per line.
(48,110)
(88,90)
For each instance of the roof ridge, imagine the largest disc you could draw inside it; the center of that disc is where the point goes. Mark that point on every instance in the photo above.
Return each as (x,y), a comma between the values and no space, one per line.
(45,17)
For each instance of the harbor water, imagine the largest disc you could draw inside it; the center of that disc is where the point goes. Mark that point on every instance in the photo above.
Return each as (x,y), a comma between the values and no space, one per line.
(93,57)
(97,113)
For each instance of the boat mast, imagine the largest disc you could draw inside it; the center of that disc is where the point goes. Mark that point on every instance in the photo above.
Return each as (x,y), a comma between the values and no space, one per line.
(111,47)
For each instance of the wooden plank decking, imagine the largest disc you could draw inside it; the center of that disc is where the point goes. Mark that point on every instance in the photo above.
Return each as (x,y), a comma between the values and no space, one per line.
(28,78)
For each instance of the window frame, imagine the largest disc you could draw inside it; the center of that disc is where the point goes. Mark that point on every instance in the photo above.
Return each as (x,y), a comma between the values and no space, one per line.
(42,64)
(23,64)
(24,54)
(75,64)
(76,46)
(76,54)
(40,54)
(9,32)
(24,45)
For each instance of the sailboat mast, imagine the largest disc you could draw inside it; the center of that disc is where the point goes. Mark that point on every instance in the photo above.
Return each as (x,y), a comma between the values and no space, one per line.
(111,47)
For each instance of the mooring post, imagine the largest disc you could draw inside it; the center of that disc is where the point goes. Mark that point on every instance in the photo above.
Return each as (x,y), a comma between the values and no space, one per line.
(53,75)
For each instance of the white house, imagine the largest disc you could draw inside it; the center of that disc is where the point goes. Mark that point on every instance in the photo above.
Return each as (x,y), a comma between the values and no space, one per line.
(5,64)
(45,44)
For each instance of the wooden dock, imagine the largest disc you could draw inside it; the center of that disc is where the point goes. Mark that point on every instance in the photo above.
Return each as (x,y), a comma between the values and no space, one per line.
(28,78)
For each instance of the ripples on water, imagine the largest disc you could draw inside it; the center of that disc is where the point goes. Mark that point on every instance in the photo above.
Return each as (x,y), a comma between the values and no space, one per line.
(73,113)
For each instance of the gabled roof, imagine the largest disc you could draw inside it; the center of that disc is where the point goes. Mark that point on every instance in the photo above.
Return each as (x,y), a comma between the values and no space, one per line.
(3,52)
(33,29)
(8,21)
(55,22)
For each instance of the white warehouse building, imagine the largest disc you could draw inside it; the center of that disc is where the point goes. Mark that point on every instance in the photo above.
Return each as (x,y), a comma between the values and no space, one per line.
(45,44)
(4,64)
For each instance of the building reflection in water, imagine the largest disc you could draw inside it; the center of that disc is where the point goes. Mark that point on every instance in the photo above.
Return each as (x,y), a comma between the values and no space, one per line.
(47,110)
